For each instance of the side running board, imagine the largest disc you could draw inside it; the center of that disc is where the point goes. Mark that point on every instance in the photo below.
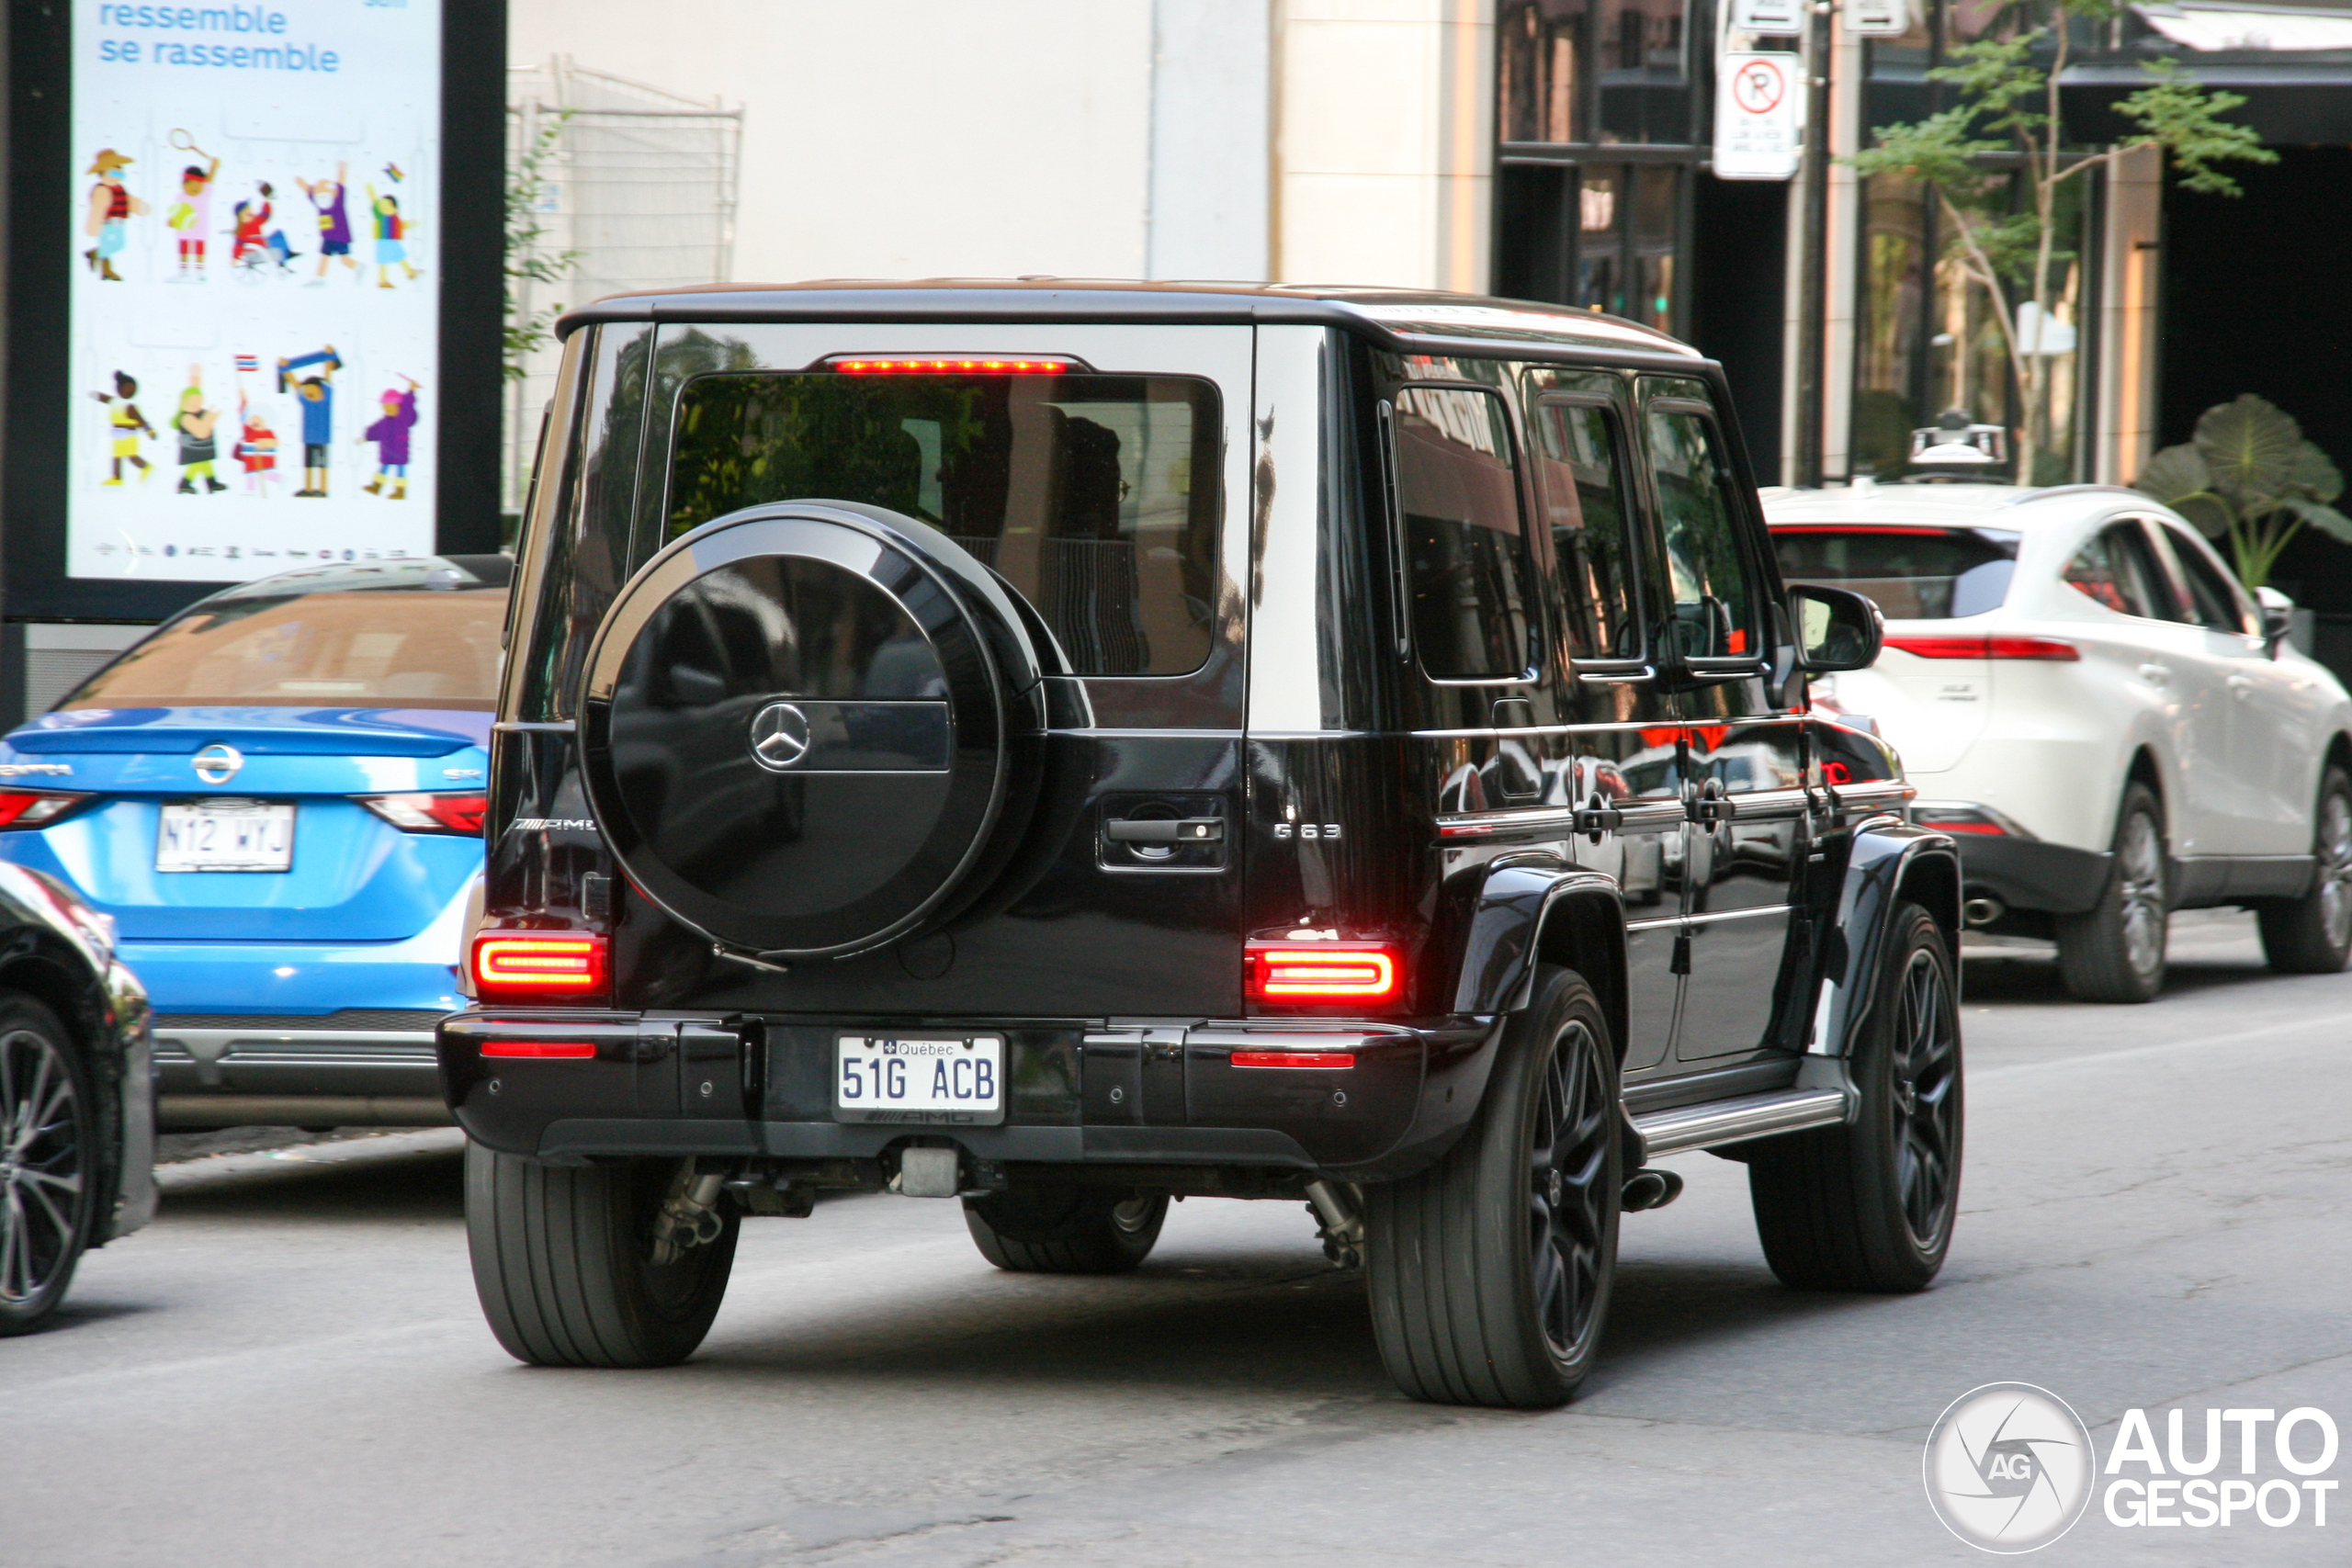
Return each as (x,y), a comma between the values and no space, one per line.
(1735,1120)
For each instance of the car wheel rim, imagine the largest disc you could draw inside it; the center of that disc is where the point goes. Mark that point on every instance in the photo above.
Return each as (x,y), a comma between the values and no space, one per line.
(1924,1079)
(2336,870)
(1569,1193)
(2140,860)
(40,1165)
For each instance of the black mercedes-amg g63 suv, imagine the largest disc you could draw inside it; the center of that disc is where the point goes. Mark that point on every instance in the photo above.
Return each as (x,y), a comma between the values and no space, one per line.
(1064,745)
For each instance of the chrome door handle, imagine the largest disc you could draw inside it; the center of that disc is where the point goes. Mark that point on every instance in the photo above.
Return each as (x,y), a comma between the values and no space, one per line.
(2155,674)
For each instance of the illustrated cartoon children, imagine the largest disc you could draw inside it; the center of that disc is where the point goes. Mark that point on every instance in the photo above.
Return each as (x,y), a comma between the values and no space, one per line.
(256,245)
(191,217)
(130,427)
(391,238)
(334,223)
(391,436)
(257,447)
(317,392)
(110,206)
(196,425)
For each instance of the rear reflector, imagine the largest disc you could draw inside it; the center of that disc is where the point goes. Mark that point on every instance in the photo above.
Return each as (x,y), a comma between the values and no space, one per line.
(1294,1058)
(2044,647)
(541,1048)
(514,965)
(437,813)
(925,365)
(1324,972)
(35,808)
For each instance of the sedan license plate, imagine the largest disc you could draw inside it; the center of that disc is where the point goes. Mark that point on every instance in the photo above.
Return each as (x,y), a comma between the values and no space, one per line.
(226,835)
(931,1079)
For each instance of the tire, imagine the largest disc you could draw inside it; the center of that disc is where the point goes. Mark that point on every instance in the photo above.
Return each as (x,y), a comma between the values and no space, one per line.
(1487,1290)
(48,1166)
(1066,1228)
(2115,953)
(1868,1206)
(563,1263)
(2312,934)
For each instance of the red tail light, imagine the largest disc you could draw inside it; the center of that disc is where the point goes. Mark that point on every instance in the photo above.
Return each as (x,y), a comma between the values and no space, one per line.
(36,807)
(1294,1058)
(2056,649)
(926,365)
(1324,972)
(542,1049)
(524,966)
(430,812)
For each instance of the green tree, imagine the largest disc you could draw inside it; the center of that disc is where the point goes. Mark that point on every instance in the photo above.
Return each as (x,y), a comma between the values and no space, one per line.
(2006,86)
(526,263)
(2249,479)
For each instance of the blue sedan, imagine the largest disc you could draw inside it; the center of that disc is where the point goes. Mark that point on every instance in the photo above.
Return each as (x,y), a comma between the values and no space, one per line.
(277,796)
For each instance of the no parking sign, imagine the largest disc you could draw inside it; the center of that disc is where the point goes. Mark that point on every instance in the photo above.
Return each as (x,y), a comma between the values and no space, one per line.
(1756,115)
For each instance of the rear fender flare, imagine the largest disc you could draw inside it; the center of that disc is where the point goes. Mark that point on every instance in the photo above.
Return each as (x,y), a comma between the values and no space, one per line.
(1537,908)
(1888,863)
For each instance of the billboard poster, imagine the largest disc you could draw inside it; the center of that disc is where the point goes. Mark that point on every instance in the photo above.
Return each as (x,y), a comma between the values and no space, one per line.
(255,296)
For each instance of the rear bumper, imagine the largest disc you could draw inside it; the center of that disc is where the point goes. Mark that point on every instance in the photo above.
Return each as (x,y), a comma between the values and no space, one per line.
(1079,1092)
(346,1069)
(297,976)
(2031,874)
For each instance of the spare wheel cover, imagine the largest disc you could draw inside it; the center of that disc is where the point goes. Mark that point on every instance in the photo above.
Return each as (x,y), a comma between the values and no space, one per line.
(796,725)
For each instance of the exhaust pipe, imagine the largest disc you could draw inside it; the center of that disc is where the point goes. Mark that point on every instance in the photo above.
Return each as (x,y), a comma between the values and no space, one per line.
(1983,911)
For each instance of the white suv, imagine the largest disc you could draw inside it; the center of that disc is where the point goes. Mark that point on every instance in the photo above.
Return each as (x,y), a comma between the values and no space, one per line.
(2108,724)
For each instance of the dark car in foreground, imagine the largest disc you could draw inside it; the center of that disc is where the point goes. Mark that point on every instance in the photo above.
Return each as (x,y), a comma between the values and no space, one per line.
(1066,745)
(77,1118)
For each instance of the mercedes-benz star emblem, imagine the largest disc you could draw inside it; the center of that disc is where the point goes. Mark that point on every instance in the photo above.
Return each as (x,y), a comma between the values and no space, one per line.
(779,736)
(216,764)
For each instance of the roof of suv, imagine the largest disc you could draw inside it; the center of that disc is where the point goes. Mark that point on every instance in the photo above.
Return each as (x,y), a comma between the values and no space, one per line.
(2021,507)
(1404,319)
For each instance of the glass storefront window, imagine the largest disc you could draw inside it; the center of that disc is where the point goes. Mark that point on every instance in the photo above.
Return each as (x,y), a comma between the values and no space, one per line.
(1595,71)
(1601,260)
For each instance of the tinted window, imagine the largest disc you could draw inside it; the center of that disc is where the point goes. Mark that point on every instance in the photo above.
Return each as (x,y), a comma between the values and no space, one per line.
(1914,574)
(2116,569)
(1584,505)
(1465,549)
(2216,597)
(394,647)
(1716,612)
(1096,496)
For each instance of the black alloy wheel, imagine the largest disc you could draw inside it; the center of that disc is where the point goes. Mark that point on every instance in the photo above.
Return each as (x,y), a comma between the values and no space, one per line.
(1490,1272)
(2115,951)
(1870,1205)
(48,1184)
(2312,934)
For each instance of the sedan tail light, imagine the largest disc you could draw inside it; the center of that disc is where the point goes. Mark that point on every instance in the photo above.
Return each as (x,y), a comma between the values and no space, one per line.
(527,966)
(2056,649)
(459,814)
(37,808)
(1324,972)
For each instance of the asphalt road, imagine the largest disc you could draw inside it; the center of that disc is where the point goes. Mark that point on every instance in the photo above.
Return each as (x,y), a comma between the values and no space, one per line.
(289,1368)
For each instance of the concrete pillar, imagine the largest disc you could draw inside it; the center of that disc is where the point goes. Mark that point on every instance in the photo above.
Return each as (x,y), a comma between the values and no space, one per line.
(1212,95)
(1385,142)
(2128,275)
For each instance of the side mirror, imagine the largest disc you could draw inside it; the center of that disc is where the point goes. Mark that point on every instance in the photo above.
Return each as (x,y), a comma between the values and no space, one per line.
(2277,618)
(1837,628)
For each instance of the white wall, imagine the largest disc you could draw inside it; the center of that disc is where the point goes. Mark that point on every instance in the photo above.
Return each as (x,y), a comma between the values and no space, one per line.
(1212,95)
(901,138)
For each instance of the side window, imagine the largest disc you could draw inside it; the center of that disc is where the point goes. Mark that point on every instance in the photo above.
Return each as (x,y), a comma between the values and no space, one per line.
(1584,506)
(2116,569)
(1711,583)
(1465,546)
(2217,598)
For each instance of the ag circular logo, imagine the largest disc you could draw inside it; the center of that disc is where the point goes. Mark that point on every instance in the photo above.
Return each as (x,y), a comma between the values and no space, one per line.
(779,736)
(2010,1467)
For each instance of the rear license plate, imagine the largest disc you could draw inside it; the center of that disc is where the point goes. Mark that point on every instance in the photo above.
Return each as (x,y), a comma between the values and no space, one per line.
(931,1079)
(226,835)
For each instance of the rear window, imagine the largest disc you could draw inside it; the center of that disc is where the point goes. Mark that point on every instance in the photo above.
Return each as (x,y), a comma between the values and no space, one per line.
(1913,574)
(397,647)
(1465,545)
(1095,496)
